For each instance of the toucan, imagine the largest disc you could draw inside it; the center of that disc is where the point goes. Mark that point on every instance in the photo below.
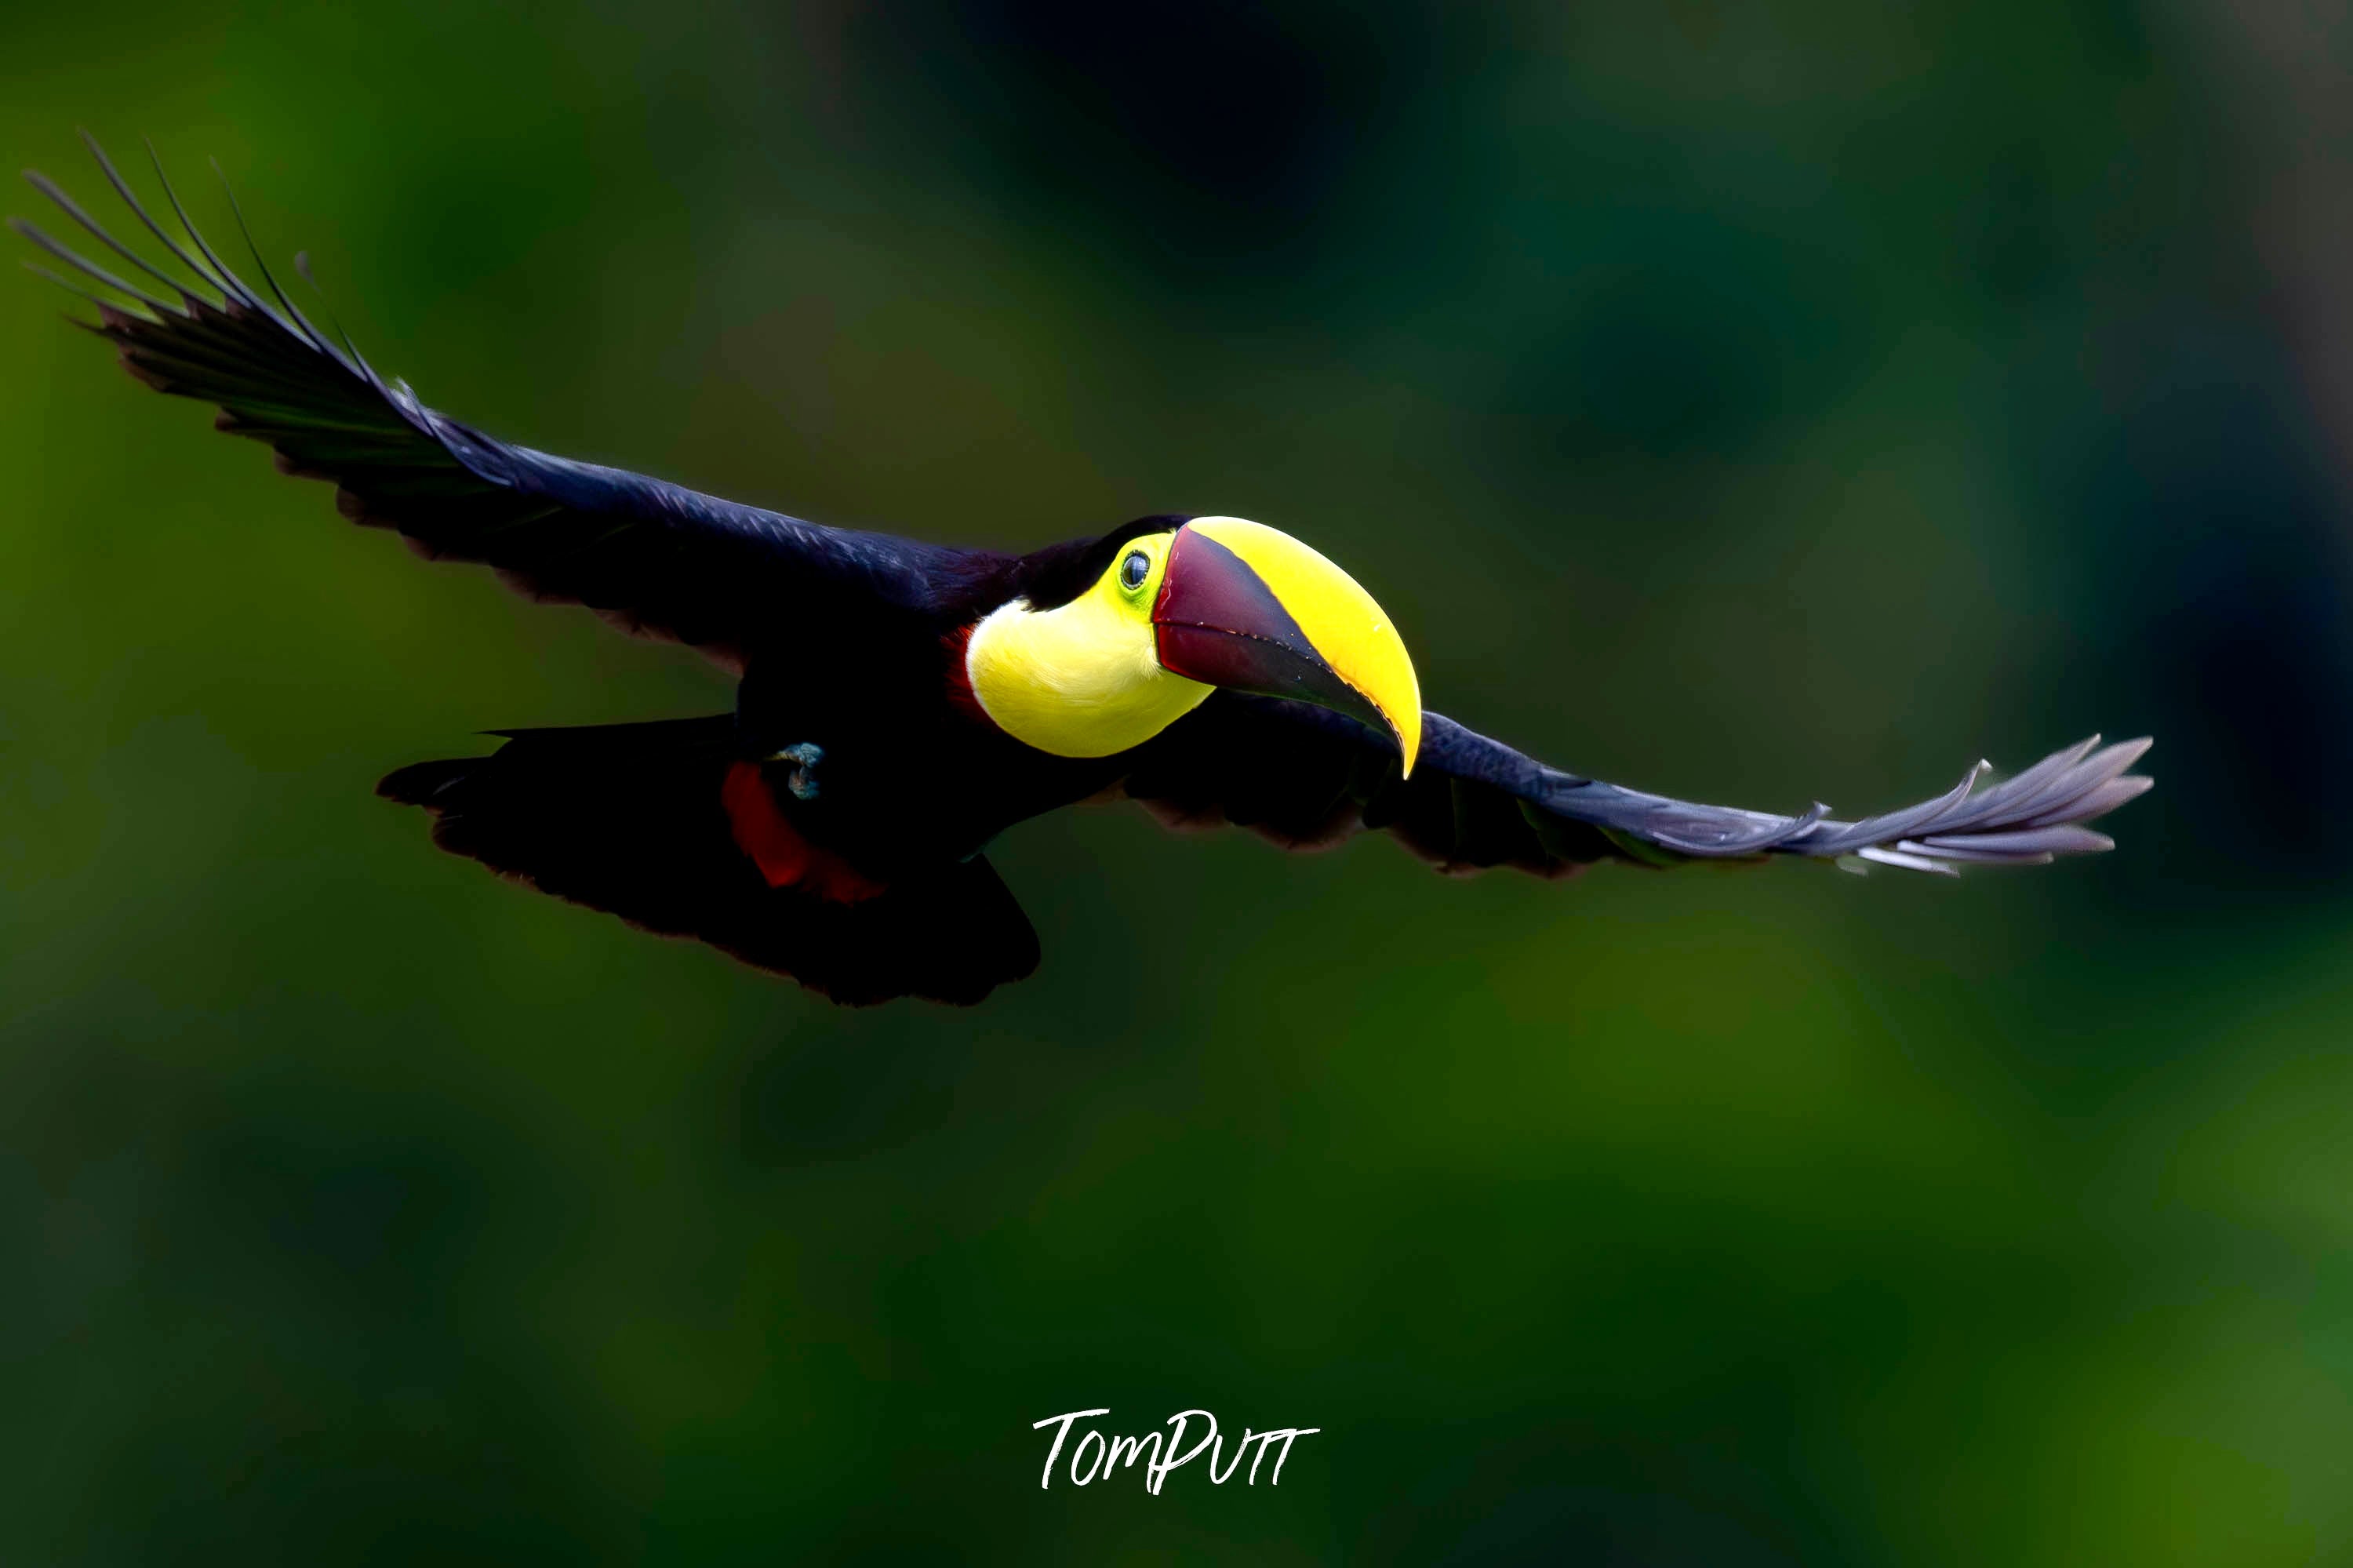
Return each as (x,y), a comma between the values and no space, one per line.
(901,703)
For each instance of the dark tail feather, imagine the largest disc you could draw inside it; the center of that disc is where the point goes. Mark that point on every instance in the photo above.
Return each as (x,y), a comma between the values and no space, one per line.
(628,819)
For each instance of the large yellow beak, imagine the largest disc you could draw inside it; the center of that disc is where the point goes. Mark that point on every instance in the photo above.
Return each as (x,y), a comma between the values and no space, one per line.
(1246,607)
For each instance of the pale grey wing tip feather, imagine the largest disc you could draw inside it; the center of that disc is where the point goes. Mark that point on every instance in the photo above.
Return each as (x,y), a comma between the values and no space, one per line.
(1907,862)
(2030,819)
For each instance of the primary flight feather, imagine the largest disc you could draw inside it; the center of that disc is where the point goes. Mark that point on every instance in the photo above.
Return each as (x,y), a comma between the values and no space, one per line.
(900,704)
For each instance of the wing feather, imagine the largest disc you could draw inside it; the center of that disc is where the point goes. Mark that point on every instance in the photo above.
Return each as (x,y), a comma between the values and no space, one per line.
(1307,778)
(650,556)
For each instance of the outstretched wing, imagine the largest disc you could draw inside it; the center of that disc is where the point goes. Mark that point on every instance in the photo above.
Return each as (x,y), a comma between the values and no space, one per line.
(650,556)
(1305,776)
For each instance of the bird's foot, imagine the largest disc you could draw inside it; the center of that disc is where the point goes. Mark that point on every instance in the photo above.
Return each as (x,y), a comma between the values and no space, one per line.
(805,758)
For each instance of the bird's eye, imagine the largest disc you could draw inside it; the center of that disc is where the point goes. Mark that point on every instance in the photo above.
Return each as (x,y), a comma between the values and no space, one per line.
(1135,569)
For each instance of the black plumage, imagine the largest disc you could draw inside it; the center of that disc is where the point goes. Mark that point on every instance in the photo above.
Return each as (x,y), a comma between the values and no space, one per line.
(628,818)
(852,640)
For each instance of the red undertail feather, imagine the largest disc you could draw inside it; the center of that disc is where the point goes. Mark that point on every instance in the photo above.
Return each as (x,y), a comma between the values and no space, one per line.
(784,858)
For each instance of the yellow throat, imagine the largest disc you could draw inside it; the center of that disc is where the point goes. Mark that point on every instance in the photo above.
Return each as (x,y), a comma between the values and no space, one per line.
(1081,680)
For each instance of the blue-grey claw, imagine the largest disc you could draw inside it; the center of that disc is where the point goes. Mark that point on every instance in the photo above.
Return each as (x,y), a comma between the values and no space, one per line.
(803,780)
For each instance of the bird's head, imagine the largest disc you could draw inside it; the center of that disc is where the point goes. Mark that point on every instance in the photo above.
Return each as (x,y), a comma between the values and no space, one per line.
(1134,632)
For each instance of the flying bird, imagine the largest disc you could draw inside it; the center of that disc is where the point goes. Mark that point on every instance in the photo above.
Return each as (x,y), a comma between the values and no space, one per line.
(901,703)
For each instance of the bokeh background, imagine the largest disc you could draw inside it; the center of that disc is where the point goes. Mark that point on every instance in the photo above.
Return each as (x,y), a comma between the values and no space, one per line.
(1752,402)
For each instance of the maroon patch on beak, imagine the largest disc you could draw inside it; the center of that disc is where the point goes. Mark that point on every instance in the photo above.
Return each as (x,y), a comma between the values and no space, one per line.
(1209,600)
(1216,622)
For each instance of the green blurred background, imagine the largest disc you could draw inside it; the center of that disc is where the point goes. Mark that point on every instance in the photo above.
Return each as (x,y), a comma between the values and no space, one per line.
(1749,402)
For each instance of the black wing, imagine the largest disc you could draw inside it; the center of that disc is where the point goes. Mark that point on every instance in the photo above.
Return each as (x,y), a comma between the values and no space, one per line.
(1305,778)
(650,556)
